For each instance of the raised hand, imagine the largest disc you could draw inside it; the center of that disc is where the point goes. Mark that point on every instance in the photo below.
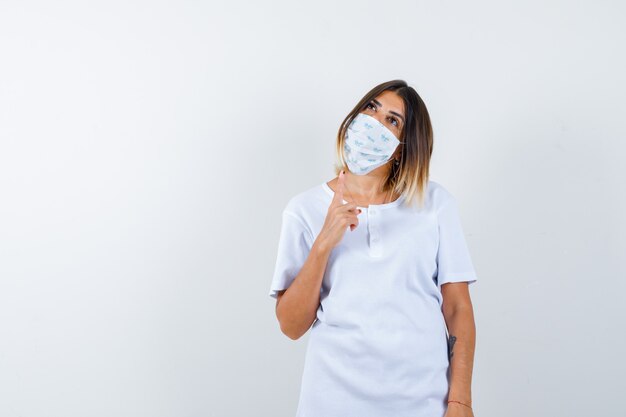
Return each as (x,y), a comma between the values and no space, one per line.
(339,216)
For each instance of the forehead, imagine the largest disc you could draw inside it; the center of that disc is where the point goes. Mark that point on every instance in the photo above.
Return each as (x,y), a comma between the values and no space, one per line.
(391,101)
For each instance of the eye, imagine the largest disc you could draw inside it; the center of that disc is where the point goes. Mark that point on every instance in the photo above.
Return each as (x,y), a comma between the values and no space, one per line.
(367,106)
(394,120)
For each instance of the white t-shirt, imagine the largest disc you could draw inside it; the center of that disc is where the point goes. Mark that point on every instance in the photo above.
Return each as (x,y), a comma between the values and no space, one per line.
(379,346)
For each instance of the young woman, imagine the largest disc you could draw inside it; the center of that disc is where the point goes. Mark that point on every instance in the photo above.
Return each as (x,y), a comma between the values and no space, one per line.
(376,264)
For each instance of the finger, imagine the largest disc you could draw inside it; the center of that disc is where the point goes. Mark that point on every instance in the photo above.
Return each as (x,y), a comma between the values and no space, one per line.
(340,187)
(356,210)
(349,207)
(353,221)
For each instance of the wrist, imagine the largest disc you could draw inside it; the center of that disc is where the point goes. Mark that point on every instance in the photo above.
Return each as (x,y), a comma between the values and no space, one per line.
(462,395)
(320,247)
(460,403)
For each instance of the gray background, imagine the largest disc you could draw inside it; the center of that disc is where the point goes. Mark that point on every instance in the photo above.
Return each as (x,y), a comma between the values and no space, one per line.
(148,148)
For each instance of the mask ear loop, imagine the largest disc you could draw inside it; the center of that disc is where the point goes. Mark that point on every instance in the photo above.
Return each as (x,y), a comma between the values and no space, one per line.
(396,163)
(401,155)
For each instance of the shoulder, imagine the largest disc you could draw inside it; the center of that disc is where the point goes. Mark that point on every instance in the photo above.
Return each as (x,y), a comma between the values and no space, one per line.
(307,205)
(307,209)
(439,195)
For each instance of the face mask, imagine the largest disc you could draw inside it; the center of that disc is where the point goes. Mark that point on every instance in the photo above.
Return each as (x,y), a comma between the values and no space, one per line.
(368,144)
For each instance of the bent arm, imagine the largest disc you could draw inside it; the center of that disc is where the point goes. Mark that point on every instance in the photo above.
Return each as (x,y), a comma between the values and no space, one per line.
(296,307)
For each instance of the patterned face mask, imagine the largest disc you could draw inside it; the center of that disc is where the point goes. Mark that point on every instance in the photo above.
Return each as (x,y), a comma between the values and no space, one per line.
(368,144)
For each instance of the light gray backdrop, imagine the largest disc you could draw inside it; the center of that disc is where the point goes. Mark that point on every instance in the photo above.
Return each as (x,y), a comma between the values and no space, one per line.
(148,148)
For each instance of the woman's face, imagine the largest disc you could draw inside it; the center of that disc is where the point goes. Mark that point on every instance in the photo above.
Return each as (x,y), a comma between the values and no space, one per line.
(387,108)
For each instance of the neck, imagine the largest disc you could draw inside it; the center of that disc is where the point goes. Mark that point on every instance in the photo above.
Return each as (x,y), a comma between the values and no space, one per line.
(370,184)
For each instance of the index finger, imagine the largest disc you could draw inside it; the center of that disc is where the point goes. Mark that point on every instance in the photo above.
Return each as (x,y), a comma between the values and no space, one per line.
(338,197)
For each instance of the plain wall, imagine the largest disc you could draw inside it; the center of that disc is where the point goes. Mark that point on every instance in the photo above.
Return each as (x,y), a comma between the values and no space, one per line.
(148,148)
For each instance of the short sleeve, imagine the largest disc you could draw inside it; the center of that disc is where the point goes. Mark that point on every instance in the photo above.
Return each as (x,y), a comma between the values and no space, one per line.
(454,263)
(293,248)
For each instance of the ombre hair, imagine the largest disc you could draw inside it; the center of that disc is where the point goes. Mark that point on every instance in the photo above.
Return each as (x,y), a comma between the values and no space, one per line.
(410,177)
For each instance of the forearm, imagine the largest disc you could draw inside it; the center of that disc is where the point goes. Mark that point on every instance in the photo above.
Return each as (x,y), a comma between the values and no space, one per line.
(461,344)
(297,308)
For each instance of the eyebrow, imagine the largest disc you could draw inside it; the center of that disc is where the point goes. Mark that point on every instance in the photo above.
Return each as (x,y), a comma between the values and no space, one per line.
(390,111)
